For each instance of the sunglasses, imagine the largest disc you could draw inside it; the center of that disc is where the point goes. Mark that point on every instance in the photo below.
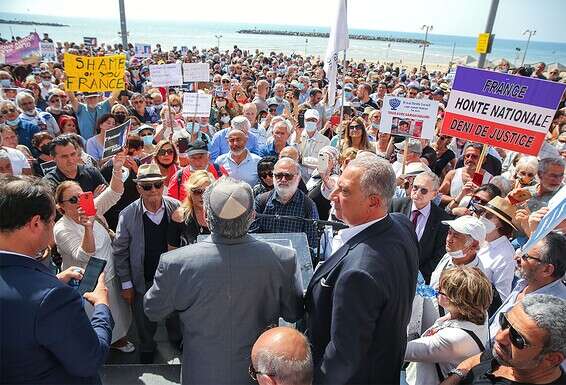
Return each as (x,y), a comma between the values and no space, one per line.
(165,152)
(198,191)
(422,190)
(72,200)
(149,186)
(253,373)
(283,175)
(225,81)
(356,127)
(266,174)
(9,110)
(516,339)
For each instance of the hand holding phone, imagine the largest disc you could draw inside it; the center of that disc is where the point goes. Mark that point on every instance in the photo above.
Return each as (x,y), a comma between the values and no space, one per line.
(99,295)
(91,275)
(86,202)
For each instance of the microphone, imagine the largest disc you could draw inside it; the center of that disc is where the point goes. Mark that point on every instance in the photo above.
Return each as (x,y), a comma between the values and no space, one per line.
(316,222)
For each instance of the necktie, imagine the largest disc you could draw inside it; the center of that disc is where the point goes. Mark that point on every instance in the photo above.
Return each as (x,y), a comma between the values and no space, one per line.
(416,214)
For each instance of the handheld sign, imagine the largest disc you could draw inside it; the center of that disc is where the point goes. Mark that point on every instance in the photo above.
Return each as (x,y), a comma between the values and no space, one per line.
(23,51)
(90,41)
(196,72)
(114,139)
(196,104)
(48,53)
(408,117)
(166,75)
(501,110)
(143,50)
(94,73)
(47,166)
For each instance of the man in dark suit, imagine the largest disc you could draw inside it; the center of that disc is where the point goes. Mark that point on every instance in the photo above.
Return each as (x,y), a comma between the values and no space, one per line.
(427,220)
(359,300)
(46,336)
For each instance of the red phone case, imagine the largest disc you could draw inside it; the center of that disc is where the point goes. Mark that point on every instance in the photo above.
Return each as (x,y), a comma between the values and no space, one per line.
(86,202)
(477,179)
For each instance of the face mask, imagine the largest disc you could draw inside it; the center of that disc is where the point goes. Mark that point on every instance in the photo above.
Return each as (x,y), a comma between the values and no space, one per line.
(301,86)
(147,140)
(14,122)
(225,119)
(456,254)
(489,225)
(46,83)
(348,95)
(310,126)
(5,83)
(120,118)
(221,103)
(193,127)
(375,126)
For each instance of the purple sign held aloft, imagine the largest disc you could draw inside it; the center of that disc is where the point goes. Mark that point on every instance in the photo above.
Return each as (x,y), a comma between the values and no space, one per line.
(23,51)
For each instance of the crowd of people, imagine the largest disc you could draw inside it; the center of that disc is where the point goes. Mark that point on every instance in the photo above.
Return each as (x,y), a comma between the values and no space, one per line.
(419,277)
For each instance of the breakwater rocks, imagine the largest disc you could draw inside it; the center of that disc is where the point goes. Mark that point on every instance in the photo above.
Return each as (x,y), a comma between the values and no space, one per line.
(22,22)
(326,34)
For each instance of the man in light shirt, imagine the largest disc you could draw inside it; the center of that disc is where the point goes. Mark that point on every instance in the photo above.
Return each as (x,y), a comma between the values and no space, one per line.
(309,141)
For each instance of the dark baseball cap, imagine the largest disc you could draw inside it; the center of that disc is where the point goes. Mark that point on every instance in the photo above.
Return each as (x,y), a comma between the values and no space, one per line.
(197,147)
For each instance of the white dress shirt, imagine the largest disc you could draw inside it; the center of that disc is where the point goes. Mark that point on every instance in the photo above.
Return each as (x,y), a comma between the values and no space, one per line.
(422,218)
(498,259)
(157,216)
(345,235)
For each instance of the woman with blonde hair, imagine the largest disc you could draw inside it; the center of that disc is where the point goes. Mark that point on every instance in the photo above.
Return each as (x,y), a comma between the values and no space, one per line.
(188,221)
(465,293)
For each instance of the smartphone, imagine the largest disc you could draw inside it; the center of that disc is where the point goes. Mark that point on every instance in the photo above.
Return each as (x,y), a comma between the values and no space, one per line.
(335,120)
(323,160)
(93,270)
(182,145)
(86,202)
(477,179)
(301,119)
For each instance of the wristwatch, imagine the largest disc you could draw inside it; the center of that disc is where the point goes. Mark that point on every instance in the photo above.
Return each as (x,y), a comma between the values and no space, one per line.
(457,372)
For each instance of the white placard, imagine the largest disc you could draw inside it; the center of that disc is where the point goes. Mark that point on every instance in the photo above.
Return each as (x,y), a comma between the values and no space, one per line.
(196,104)
(408,117)
(48,53)
(166,75)
(143,50)
(196,72)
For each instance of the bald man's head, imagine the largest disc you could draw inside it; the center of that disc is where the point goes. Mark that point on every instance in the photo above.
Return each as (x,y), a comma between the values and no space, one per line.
(283,353)
(289,152)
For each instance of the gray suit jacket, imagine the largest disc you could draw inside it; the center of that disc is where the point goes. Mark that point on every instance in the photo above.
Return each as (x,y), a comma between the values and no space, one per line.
(228,292)
(129,244)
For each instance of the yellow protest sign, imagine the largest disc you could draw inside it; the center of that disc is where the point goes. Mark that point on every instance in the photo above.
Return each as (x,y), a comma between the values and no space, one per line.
(95,73)
(483,43)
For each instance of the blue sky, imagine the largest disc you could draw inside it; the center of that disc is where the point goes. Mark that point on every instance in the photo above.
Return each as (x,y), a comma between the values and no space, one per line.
(449,17)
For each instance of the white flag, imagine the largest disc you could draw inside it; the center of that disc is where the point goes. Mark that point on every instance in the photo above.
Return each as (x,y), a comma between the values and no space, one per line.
(337,42)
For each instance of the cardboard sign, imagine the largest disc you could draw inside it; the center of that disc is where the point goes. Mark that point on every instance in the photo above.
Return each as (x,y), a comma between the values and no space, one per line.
(143,50)
(196,72)
(94,73)
(408,117)
(166,75)
(196,104)
(47,166)
(48,52)
(501,110)
(90,41)
(114,139)
(23,51)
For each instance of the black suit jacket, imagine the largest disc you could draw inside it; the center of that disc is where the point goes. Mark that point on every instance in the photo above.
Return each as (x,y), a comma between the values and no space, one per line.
(433,240)
(359,303)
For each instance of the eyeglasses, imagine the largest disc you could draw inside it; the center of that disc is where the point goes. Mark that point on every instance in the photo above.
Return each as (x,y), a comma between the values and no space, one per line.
(8,110)
(253,373)
(198,191)
(165,152)
(356,127)
(283,175)
(225,81)
(422,190)
(266,174)
(138,101)
(72,200)
(471,156)
(516,339)
(149,186)
(526,257)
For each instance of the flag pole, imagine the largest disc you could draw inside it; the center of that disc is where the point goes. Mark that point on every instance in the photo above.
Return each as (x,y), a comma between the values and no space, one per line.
(342,99)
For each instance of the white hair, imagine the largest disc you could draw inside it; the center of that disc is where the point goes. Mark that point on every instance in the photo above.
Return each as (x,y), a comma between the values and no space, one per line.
(241,123)
(378,177)
(549,313)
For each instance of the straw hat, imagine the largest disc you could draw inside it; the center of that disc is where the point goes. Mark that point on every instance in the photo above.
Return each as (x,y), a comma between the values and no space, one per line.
(501,208)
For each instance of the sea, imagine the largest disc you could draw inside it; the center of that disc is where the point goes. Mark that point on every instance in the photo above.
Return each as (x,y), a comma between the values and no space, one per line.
(442,50)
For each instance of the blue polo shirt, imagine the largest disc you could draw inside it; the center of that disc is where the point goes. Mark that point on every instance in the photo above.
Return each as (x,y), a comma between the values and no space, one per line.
(24,131)
(269,150)
(219,144)
(245,171)
(87,117)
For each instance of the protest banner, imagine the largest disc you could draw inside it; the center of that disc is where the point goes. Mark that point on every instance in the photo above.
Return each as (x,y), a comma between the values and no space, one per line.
(196,72)
(114,139)
(166,75)
(48,53)
(90,41)
(196,104)
(94,73)
(23,51)
(501,110)
(408,117)
(143,50)
(47,166)
(555,215)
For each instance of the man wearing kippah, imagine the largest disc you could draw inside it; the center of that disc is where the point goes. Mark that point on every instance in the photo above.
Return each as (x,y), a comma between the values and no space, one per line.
(228,288)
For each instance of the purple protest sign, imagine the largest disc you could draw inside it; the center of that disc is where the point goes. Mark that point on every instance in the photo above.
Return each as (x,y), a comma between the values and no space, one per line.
(23,51)
(513,88)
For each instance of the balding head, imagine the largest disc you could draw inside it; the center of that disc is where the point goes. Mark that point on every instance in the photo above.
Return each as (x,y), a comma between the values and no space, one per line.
(285,354)
(289,152)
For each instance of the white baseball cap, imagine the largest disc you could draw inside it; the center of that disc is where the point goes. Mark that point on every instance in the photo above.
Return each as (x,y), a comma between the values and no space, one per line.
(312,113)
(469,225)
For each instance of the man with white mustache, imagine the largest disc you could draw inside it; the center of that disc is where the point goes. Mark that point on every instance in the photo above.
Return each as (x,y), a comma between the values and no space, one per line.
(240,163)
